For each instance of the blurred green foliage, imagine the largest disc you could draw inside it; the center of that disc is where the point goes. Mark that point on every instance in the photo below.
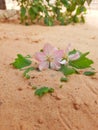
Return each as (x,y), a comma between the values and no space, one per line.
(52,11)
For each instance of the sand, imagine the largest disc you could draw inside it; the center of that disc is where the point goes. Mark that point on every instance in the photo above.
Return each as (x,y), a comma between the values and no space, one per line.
(72,107)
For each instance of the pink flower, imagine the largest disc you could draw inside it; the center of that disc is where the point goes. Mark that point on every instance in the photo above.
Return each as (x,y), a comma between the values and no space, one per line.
(69,57)
(50,57)
(74,56)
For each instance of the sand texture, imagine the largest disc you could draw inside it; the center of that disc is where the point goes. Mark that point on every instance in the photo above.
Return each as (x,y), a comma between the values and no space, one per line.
(72,107)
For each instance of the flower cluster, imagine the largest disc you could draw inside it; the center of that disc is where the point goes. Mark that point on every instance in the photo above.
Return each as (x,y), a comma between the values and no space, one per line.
(52,57)
(66,61)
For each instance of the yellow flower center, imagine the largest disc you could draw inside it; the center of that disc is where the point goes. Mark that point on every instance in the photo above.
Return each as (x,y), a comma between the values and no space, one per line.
(49,58)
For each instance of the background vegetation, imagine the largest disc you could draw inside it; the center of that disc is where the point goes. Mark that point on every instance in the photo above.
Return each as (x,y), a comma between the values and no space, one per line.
(52,11)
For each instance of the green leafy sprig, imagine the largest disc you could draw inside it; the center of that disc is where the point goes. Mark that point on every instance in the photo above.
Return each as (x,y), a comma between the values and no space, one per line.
(43,90)
(24,63)
(21,62)
(74,66)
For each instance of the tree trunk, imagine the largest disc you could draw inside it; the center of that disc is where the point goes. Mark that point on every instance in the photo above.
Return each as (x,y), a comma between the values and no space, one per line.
(2,4)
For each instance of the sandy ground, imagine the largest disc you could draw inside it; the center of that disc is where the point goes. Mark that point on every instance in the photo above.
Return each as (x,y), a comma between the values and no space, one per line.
(72,107)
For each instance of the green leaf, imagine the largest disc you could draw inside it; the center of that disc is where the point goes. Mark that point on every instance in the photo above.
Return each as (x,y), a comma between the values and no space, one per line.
(89,73)
(23,16)
(64,79)
(27,70)
(65,2)
(71,7)
(23,11)
(81,63)
(74,51)
(67,70)
(21,62)
(43,90)
(61,19)
(48,21)
(75,19)
(80,9)
(32,14)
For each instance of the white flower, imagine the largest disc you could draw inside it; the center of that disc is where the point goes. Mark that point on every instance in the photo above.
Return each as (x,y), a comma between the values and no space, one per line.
(63,9)
(45,2)
(52,2)
(63,62)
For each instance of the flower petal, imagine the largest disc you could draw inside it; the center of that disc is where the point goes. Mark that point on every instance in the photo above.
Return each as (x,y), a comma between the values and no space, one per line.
(40,56)
(63,62)
(52,2)
(74,56)
(68,48)
(55,65)
(43,65)
(58,55)
(48,49)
